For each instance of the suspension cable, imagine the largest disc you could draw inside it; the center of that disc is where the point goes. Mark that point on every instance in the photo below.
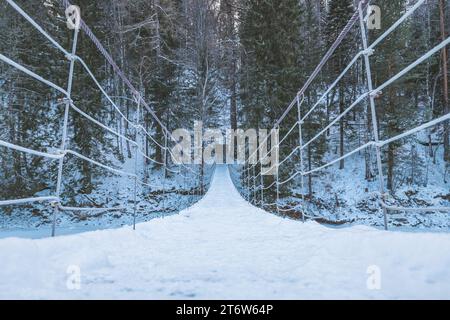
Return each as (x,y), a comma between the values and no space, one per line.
(88,117)
(28,200)
(32,74)
(31,151)
(325,59)
(37,27)
(103,91)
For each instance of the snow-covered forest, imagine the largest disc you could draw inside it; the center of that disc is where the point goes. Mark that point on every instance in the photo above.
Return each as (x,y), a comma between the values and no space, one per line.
(276,60)
(230,64)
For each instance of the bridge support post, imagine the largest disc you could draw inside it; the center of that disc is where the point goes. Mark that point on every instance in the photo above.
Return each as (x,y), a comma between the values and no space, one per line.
(262,185)
(278,174)
(65,125)
(242,178)
(188,186)
(136,154)
(249,183)
(246,180)
(184,182)
(373,110)
(278,193)
(250,176)
(254,184)
(165,172)
(300,141)
(197,186)
(193,193)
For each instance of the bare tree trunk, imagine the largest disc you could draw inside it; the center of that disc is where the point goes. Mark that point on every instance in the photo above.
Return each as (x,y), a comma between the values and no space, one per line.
(444,83)
(341,128)
(390,168)
(330,101)
(147,149)
(309,169)
(17,167)
(233,104)
(159,131)
(392,128)
(127,129)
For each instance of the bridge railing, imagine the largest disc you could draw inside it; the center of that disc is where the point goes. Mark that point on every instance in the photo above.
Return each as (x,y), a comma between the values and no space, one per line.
(254,183)
(63,151)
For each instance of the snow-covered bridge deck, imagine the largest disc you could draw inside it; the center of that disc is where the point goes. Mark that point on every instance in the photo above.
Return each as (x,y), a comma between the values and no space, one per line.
(223,247)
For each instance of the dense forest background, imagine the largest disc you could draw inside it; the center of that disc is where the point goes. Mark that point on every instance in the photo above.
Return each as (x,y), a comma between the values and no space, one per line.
(230,63)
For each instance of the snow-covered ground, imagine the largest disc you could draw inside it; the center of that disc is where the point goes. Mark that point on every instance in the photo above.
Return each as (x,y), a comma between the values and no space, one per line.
(225,248)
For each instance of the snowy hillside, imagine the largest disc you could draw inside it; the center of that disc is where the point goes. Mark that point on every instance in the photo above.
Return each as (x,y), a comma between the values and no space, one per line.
(180,192)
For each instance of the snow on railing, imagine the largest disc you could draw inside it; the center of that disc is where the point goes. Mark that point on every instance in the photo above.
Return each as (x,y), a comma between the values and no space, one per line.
(63,151)
(248,170)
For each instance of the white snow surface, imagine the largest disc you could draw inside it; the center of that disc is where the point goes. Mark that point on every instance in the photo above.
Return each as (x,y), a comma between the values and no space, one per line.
(225,248)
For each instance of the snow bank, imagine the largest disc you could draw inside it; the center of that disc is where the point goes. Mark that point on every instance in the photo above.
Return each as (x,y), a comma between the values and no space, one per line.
(224,248)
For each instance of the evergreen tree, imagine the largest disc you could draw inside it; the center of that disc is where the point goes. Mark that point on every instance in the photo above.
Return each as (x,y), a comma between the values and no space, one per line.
(270,67)
(339,14)
(389,59)
(271,71)
(87,97)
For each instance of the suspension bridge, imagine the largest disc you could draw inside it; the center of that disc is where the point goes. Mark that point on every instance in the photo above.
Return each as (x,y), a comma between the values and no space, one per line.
(64,151)
(228,244)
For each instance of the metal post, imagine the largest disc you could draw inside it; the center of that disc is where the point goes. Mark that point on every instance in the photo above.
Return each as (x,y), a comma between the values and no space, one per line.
(278,192)
(193,190)
(188,187)
(262,185)
(300,141)
(242,178)
(373,110)
(254,184)
(185,182)
(278,176)
(198,186)
(248,183)
(65,125)
(165,171)
(136,153)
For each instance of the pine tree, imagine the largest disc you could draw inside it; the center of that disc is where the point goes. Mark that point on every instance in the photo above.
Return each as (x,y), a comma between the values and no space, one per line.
(445,81)
(230,47)
(163,81)
(270,68)
(339,14)
(88,138)
(28,107)
(312,35)
(389,58)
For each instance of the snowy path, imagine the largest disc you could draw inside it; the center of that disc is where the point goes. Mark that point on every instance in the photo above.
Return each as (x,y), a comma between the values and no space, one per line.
(225,248)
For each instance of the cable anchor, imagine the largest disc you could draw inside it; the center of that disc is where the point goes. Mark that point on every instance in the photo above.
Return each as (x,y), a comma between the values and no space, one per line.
(368,52)
(376,94)
(71,57)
